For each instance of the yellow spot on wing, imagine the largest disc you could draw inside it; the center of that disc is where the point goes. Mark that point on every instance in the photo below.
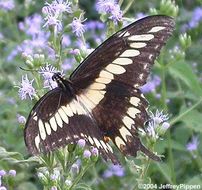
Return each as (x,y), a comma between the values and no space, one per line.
(115,69)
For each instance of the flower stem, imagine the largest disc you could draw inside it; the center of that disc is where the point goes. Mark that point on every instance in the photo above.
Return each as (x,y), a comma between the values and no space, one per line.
(179,117)
(163,94)
(81,174)
(128,6)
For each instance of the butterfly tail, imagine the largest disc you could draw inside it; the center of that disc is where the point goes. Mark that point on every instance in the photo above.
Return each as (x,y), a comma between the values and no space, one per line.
(149,153)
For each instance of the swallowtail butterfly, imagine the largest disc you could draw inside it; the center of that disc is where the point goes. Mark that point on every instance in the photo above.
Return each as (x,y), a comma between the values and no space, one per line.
(101,100)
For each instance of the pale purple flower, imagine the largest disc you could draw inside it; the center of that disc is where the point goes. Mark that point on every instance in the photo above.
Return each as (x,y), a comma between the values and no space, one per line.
(57,6)
(55,175)
(81,143)
(110,7)
(106,6)
(32,25)
(196,17)
(3,188)
(54,188)
(61,6)
(194,21)
(7,5)
(21,119)
(151,85)
(47,73)
(151,130)
(12,54)
(94,25)
(66,40)
(114,170)
(159,117)
(117,14)
(11,101)
(67,64)
(1,36)
(38,44)
(74,51)
(87,154)
(157,124)
(75,168)
(2,173)
(165,125)
(193,144)
(12,173)
(53,20)
(94,151)
(77,27)
(158,96)
(40,175)
(26,88)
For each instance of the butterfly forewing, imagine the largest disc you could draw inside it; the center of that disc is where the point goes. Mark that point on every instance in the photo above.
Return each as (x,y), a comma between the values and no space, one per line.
(128,55)
(104,101)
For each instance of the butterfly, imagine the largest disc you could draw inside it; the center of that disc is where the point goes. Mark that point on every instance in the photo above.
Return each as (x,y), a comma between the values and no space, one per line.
(101,101)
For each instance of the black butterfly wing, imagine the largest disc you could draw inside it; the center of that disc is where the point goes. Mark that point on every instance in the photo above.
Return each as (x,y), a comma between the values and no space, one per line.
(111,77)
(120,114)
(59,119)
(126,56)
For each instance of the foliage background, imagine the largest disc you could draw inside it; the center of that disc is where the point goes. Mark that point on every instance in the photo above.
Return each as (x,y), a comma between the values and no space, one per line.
(179,67)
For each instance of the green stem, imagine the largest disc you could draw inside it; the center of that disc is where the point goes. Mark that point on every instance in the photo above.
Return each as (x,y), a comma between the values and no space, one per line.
(166,176)
(170,156)
(179,117)
(198,161)
(163,89)
(120,2)
(128,6)
(78,178)
(163,97)
(145,169)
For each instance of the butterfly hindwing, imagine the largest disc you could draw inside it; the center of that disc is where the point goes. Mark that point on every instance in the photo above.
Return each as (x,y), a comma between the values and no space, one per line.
(126,114)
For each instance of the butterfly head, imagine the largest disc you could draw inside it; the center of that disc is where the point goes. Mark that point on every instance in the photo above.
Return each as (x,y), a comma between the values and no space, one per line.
(61,81)
(57,77)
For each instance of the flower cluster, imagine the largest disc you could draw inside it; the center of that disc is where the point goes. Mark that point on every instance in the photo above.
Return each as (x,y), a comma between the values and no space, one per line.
(114,170)
(157,125)
(87,154)
(4,174)
(110,7)
(151,85)
(21,119)
(7,5)
(47,73)
(76,165)
(196,18)
(77,27)
(32,27)
(193,144)
(53,13)
(26,89)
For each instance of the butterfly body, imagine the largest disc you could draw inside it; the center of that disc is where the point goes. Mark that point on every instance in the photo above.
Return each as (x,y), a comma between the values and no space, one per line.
(101,101)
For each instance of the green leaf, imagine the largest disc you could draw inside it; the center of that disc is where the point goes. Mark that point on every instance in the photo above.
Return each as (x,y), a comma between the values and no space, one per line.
(184,72)
(193,120)
(83,186)
(195,180)
(26,185)
(165,170)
